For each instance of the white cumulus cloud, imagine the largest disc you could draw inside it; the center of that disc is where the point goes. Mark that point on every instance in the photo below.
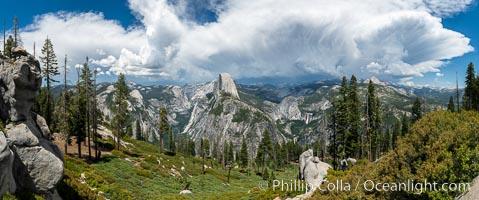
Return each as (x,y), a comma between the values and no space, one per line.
(82,34)
(386,38)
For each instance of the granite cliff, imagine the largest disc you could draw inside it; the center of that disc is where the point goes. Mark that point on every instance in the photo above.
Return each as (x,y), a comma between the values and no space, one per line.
(29,160)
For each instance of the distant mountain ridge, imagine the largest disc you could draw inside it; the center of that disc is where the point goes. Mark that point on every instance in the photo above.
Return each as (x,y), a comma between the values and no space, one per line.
(222,110)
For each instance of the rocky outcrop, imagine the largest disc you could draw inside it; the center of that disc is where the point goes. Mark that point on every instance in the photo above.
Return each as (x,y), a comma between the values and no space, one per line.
(7,182)
(227,85)
(312,170)
(303,158)
(315,171)
(21,82)
(29,161)
(472,193)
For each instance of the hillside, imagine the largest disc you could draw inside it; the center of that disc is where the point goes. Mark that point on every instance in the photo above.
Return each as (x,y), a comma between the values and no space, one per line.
(141,172)
(442,147)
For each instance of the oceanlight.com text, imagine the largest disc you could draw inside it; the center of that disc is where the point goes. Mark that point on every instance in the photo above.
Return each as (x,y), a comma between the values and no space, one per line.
(339,185)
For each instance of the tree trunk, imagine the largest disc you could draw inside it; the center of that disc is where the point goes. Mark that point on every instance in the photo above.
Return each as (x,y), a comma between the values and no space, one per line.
(264,155)
(79,146)
(118,125)
(229,171)
(88,114)
(161,141)
(95,125)
(203,166)
(47,112)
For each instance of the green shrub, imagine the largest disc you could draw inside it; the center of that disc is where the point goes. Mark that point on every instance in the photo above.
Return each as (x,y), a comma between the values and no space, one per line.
(241,115)
(210,95)
(441,147)
(118,153)
(217,110)
(151,159)
(144,173)
(71,188)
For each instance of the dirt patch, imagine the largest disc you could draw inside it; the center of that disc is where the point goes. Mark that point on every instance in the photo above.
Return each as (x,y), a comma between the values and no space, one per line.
(72,148)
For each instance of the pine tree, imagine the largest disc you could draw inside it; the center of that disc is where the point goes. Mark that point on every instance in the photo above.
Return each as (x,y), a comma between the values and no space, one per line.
(265,149)
(354,119)
(378,127)
(171,141)
(204,151)
(86,86)
(451,107)
(396,133)
(284,153)
(265,174)
(96,114)
(243,156)
(164,126)
(49,70)
(404,125)
(138,130)
(8,47)
(332,136)
(475,98)
(230,152)
(77,118)
(416,110)
(207,147)
(272,177)
(225,153)
(181,144)
(61,117)
(120,106)
(386,141)
(64,113)
(129,130)
(373,121)
(471,89)
(342,130)
(191,147)
(278,162)
(214,152)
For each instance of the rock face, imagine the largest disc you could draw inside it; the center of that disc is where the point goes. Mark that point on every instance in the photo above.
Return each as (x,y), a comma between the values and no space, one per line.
(7,182)
(29,161)
(21,83)
(227,85)
(303,158)
(312,170)
(315,171)
(473,192)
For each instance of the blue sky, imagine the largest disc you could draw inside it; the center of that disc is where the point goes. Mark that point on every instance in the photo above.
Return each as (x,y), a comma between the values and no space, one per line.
(31,8)
(182,41)
(463,23)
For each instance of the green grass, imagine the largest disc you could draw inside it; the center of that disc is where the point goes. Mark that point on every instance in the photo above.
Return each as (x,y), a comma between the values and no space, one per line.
(136,174)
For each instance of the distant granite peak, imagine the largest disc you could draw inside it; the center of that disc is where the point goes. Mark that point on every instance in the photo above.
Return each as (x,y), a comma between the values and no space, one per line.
(227,85)
(375,80)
